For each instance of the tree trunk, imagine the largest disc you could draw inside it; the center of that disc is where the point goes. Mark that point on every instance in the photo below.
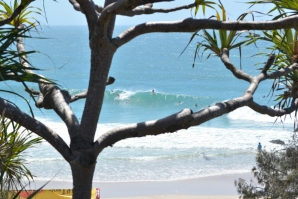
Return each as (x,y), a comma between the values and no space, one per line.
(82,181)
(83,168)
(101,60)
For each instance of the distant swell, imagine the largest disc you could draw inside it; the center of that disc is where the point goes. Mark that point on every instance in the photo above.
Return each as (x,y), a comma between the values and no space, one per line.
(150,98)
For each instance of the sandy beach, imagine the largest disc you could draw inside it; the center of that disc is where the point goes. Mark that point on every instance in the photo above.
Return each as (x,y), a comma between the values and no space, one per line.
(212,187)
(179,197)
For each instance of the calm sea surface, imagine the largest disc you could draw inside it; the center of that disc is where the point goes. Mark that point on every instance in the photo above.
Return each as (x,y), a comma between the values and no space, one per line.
(152,62)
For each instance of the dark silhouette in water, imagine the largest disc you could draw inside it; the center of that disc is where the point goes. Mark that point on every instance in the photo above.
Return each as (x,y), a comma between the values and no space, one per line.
(259,146)
(205,157)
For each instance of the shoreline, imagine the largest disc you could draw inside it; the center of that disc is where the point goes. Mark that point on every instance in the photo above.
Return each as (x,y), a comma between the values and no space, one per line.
(221,186)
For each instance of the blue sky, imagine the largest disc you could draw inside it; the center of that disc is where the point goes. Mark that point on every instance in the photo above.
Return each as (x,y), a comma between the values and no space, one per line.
(62,13)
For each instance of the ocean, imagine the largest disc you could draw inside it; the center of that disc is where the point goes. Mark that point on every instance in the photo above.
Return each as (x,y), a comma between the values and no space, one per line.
(227,144)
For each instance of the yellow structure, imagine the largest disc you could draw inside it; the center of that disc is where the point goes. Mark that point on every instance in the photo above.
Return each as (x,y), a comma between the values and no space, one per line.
(55,194)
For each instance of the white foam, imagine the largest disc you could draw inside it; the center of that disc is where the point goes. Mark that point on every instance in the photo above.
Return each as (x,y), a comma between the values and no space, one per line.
(209,138)
(196,152)
(125,95)
(59,127)
(194,137)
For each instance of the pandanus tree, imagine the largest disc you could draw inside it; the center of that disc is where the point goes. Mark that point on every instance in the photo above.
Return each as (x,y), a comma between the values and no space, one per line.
(84,147)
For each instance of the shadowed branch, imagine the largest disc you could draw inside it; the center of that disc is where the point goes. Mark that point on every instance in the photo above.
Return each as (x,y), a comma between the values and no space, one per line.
(15,114)
(273,112)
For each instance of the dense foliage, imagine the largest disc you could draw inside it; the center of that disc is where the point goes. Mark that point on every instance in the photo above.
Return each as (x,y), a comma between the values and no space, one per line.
(275,173)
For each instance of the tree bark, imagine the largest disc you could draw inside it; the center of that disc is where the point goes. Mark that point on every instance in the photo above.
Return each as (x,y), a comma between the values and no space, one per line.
(100,65)
(82,181)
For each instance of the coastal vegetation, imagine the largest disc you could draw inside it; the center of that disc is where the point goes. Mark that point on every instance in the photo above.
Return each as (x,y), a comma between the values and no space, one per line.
(275,174)
(14,141)
(84,147)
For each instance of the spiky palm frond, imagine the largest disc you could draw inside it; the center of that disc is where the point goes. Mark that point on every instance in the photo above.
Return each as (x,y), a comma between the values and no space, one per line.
(13,142)
(22,18)
(218,40)
(285,44)
(203,4)
(10,67)
(284,7)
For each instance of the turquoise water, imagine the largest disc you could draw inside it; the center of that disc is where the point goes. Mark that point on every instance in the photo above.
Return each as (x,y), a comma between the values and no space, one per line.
(152,62)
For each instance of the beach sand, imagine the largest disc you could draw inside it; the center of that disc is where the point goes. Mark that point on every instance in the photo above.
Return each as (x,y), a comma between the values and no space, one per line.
(212,187)
(179,197)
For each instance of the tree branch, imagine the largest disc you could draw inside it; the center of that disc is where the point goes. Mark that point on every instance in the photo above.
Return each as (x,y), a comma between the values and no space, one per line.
(220,109)
(83,94)
(273,112)
(32,91)
(73,98)
(268,64)
(112,21)
(78,96)
(88,8)
(282,71)
(113,9)
(169,124)
(181,120)
(236,72)
(147,9)
(15,13)
(51,97)
(15,114)
(75,5)
(187,118)
(192,25)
